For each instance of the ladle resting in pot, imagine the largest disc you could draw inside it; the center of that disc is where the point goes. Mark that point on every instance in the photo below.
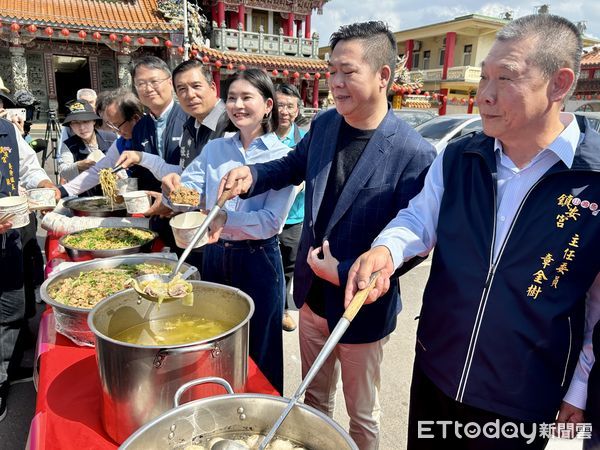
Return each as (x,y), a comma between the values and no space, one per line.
(165,288)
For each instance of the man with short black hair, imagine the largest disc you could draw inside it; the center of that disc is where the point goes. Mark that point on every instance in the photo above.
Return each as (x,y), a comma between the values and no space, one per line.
(360,164)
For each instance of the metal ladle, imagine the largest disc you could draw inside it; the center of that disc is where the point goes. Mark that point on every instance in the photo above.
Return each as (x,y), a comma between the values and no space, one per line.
(337,333)
(226,195)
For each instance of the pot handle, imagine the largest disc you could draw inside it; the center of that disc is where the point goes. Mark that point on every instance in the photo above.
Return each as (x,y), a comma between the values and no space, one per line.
(206,380)
(162,354)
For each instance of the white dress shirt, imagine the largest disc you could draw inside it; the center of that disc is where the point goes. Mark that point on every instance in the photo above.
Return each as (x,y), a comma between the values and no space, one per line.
(413,231)
(31,173)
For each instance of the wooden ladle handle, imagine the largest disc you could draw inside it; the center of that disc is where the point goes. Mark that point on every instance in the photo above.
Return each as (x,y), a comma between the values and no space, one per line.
(359,298)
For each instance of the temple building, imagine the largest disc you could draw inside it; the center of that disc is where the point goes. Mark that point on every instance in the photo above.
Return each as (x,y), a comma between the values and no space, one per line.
(52,48)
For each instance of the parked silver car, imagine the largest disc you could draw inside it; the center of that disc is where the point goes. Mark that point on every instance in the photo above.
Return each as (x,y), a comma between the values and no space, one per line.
(443,129)
(414,117)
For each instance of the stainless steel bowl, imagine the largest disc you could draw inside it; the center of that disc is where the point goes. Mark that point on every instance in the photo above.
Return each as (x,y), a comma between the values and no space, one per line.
(72,321)
(77,254)
(97,206)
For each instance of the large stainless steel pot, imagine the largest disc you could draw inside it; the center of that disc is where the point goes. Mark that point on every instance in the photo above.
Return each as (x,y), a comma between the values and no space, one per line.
(72,321)
(234,415)
(138,382)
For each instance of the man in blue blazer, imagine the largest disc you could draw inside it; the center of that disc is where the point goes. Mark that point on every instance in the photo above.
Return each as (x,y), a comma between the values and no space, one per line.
(361,165)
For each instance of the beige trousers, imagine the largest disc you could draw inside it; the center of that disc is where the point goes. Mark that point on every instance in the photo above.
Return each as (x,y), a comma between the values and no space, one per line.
(359,365)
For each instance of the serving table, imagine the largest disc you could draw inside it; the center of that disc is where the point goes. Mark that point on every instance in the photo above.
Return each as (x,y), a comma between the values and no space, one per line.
(67,412)
(68,407)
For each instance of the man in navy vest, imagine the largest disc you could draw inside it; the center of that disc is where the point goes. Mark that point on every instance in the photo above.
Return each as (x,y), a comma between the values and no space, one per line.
(158,132)
(18,165)
(505,334)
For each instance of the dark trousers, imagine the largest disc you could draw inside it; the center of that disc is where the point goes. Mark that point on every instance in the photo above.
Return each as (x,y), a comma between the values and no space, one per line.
(428,404)
(288,245)
(255,268)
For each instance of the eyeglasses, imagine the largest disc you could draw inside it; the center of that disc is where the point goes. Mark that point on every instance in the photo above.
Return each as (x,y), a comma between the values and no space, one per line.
(152,83)
(290,107)
(116,128)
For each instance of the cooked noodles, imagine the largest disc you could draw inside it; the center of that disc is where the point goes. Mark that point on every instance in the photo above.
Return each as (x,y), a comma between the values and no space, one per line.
(108,183)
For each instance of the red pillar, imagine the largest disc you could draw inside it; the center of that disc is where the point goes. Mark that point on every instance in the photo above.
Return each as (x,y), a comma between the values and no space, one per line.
(410,45)
(298,28)
(233,21)
(242,16)
(215,13)
(307,32)
(470,102)
(290,24)
(315,103)
(443,97)
(449,54)
(217,79)
(220,12)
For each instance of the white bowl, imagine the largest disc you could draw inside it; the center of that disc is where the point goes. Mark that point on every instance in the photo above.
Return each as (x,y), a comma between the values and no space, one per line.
(137,202)
(96,155)
(126,185)
(41,198)
(18,207)
(184,227)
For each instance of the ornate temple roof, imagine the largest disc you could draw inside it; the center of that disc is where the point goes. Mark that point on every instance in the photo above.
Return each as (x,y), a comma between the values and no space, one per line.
(104,15)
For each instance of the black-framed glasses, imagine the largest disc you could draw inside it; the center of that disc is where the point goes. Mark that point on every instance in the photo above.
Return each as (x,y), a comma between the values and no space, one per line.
(114,127)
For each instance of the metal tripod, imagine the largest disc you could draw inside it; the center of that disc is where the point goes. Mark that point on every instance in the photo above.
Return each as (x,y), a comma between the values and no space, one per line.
(52,136)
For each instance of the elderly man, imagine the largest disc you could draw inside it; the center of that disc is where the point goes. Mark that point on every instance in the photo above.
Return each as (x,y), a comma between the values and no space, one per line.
(360,164)
(288,104)
(512,215)
(18,165)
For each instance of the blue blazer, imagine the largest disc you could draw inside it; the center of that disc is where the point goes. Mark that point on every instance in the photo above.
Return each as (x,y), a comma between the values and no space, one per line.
(389,173)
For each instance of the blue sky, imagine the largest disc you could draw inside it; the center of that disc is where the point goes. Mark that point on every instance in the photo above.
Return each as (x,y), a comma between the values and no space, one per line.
(403,14)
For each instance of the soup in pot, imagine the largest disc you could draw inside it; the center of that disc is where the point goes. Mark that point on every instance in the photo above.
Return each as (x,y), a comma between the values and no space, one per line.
(174,330)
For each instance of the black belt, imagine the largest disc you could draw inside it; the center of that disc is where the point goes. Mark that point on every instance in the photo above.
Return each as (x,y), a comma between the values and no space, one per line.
(247,243)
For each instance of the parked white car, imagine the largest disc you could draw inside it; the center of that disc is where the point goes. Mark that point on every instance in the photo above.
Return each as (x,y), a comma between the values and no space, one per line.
(443,129)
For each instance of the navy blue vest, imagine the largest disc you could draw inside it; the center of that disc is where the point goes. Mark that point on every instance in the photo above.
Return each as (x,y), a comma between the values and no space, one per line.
(506,338)
(144,139)
(11,256)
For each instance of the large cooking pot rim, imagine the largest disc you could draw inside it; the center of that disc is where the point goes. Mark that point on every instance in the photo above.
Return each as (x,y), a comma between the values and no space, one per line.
(218,337)
(226,429)
(83,265)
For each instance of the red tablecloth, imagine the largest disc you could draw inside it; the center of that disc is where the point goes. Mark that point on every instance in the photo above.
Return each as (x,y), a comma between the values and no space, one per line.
(69,392)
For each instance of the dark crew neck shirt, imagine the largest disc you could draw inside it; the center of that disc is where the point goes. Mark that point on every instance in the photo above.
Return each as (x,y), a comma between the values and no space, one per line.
(350,145)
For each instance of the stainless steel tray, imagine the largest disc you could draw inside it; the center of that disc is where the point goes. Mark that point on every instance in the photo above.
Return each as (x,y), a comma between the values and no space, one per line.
(77,254)
(95,206)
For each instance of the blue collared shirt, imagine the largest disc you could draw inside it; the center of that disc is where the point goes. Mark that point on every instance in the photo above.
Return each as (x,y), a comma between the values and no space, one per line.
(161,123)
(259,217)
(296,214)
(413,231)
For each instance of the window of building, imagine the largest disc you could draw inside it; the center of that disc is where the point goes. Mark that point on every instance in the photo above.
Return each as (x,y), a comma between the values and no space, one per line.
(468,49)
(442,56)
(426,57)
(415,60)
(597,74)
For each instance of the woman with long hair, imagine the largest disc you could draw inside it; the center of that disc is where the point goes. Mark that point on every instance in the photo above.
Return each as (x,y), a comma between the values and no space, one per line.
(246,254)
